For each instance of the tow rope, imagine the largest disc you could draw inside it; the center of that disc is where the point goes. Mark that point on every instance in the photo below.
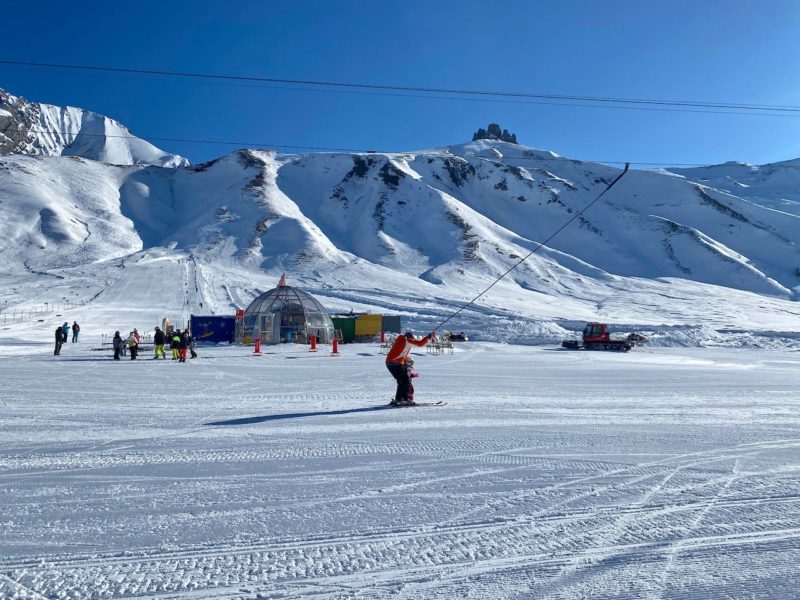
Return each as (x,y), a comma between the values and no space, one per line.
(535,250)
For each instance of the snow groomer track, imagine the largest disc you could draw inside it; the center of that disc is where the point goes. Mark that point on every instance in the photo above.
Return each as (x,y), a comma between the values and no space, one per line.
(284,476)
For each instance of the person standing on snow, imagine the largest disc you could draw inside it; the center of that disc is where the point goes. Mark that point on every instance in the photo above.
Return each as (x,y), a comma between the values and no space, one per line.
(75,330)
(175,344)
(133,345)
(119,345)
(159,339)
(183,345)
(65,332)
(412,374)
(59,341)
(396,363)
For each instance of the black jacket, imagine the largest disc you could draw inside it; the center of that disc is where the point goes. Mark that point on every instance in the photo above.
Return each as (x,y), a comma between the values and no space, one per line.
(186,341)
(159,338)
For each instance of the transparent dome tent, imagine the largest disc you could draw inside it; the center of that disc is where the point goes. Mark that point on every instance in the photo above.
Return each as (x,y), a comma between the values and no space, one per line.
(284,315)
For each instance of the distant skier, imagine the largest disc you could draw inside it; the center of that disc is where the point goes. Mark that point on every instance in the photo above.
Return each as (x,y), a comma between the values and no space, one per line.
(396,363)
(75,331)
(133,345)
(119,345)
(59,341)
(159,339)
(65,332)
(175,344)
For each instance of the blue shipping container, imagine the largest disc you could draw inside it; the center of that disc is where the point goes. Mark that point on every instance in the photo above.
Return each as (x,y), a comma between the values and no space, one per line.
(213,329)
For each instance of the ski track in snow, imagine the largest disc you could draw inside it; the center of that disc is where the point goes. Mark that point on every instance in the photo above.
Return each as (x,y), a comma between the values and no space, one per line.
(668,474)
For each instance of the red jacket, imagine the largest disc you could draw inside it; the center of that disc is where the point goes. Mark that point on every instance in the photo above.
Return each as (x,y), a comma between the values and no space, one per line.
(402,346)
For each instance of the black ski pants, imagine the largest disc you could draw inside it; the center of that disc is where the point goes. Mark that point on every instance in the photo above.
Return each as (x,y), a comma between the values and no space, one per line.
(401,375)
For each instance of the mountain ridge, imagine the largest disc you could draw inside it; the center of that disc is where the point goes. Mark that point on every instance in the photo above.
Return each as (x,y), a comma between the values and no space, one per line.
(414,230)
(39,129)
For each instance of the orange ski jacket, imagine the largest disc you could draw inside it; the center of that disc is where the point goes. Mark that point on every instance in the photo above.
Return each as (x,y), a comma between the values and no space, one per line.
(402,346)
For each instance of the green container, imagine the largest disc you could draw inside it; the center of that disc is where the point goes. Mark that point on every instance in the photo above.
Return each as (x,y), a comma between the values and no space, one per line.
(347,325)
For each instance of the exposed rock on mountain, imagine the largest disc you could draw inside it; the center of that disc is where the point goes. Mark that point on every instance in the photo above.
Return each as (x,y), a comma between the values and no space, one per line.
(493,132)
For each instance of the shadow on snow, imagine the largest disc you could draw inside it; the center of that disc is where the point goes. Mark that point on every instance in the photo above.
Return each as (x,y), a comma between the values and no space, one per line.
(322,413)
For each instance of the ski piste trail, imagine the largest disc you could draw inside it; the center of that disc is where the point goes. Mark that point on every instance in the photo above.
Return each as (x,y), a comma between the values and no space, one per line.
(660,473)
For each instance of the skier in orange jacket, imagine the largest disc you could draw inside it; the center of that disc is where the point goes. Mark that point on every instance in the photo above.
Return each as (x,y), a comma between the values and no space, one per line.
(396,362)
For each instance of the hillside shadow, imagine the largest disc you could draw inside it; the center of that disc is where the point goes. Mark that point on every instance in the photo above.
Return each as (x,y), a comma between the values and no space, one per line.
(300,415)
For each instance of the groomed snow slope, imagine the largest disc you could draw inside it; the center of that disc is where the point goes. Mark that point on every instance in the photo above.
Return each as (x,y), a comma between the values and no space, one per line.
(550,474)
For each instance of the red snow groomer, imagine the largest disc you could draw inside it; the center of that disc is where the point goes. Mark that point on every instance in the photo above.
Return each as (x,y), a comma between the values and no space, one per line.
(597,337)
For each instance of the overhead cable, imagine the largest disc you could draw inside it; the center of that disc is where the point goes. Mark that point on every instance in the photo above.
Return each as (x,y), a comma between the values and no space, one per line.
(332,85)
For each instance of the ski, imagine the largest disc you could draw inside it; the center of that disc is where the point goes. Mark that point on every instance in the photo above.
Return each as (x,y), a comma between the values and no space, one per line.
(440,403)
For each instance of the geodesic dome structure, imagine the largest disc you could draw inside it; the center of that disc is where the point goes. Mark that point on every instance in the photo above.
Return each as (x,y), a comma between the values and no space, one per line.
(282,315)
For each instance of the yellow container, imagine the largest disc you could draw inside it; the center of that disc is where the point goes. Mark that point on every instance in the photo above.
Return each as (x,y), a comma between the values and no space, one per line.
(368,325)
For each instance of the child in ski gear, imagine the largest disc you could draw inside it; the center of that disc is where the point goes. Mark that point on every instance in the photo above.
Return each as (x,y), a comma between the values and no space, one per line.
(396,362)
(183,345)
(59,341)
(175,343)
(119,345)
(133,346)
(159,339)
(412,374)
(75,330)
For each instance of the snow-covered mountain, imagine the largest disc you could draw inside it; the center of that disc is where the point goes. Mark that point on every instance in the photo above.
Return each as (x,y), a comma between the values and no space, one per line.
(774,185)
(46,130)
(418,233)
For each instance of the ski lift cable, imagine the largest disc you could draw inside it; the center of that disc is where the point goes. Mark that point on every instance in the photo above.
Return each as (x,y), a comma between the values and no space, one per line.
(400,88)
(539,247)
(587,103)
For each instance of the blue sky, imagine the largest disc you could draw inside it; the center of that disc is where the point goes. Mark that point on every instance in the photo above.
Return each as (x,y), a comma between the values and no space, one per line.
(735,51)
